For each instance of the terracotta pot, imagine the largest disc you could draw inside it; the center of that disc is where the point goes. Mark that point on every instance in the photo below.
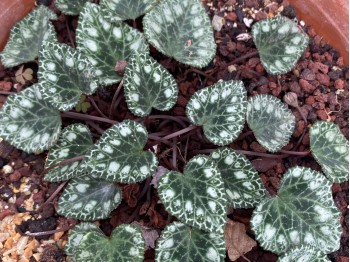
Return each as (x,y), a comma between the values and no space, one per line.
(12,11)
(330,19)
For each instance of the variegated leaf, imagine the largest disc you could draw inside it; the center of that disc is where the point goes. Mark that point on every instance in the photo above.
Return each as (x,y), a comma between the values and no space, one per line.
(302,213)
(220,109)
(244,188)
(105,42)
(64,74)
(28,122)
(125,244)
(77,234)
(148,84)
(181,29)
(304,253)
(26,37)
(197,197)
(271,121)
(331,150)
(119,156)
(74,141)
(280,43)
(119,10)
(180,242)
(70,7)
(87,199)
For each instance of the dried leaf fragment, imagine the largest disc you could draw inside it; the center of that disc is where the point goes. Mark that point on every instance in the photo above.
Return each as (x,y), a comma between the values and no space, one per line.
(237,241)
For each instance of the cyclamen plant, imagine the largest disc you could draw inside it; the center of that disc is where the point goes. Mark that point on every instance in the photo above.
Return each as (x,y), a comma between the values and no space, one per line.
(302,222)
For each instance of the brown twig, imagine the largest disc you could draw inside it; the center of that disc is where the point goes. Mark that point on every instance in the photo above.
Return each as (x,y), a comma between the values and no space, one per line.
(87,117)
(7,93)
(58,189)
(50,232)
(92,101)
(113,104)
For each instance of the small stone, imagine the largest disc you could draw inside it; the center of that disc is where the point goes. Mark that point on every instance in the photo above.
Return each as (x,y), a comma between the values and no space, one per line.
(322,114)
(306,86)
(339,84)
(310,100)
(15,176)
(218,22)
(323,79)
(7,169)
(295,87)
(307,74)
(260,15)
(231,16)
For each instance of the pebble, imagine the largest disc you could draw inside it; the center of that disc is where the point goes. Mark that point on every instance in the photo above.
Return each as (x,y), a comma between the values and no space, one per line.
(7,169)
(323,79)
(306,86)
(339,84)
(322,114)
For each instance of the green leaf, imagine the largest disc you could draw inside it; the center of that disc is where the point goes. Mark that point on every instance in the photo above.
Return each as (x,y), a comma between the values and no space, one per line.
(27,36)
(77,234)
(179,242)
(220,109)
(271,121)
(280,43)
(119,156)
(125,9)
(331,150)
(74,141)
(148,84)
(64,74)
(304,253)
(88,199)
(181,29)
(244,188)
(28,122)
(105,43)
(69,7)
(125,244)
(303,213)
(198,197)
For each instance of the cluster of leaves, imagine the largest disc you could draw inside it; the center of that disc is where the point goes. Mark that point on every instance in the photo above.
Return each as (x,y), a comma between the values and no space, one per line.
(302,221)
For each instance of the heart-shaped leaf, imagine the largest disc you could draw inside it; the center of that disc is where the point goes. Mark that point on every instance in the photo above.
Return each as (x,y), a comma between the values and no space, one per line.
(74,141)
(304,253)
(124,9)
(27,35)
(105,43)
(181,29)
(220,109)
(69,7)
(125,244)
(303,213)
(180,242)
(88,199)
(331,150)
(244,188)
(77,234)
(148,84)
(64,74)
(271,121)
(119,156)
(198,197)
(280,43)
(28,122)
(22,76)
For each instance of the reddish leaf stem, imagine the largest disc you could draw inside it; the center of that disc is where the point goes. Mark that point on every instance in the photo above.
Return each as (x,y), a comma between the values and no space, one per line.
(113,104)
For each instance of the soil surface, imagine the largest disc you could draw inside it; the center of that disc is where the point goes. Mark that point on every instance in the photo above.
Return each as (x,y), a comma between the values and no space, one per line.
(319,79)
